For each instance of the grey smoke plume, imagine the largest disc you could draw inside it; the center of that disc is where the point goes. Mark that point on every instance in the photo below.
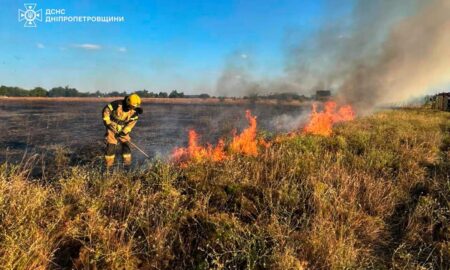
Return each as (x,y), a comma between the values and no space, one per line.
(414,58)
(384,52)
(286,122)
(236,79)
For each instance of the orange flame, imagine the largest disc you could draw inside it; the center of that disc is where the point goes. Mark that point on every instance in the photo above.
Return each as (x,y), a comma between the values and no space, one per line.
(198,153)
(244,143)
(247,143)
(321,123)
(217,153)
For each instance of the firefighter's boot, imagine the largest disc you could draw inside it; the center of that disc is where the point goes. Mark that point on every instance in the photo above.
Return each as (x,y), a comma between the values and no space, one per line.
(110,156)
(126,155)
(126,161)
(109,161)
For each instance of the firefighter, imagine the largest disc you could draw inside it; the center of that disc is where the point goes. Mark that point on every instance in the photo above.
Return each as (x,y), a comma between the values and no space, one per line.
(120,117)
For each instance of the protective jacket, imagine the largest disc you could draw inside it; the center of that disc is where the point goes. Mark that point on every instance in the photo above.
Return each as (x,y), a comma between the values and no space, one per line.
(120,119)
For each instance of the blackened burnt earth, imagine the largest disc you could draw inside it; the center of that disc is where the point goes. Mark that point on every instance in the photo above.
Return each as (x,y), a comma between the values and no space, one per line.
(42,126)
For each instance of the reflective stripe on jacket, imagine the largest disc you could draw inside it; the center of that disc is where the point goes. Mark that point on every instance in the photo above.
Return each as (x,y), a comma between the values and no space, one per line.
(124,120)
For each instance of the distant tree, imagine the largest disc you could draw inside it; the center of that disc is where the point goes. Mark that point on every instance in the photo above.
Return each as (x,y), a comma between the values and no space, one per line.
(3,90)
(64,92)
(97,94)
(143,93)
(38,92)
(175,94)
(117,94)
(162,95)
(113,94)
(204,96)
(13,91)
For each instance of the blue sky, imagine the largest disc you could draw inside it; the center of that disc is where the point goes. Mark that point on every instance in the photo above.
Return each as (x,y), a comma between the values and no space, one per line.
(162,45)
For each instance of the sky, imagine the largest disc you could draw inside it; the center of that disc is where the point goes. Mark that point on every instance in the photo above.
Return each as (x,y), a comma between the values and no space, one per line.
(160,46)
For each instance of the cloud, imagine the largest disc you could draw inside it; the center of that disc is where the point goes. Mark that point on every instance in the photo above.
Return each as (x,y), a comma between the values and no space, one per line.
(88,46)
(122,49)
(40,45)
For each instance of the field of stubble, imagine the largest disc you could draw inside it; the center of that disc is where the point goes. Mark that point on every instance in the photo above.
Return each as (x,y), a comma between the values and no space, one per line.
(374,195)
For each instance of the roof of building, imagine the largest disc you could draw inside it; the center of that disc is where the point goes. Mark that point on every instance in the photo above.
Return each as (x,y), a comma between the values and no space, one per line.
(323,92)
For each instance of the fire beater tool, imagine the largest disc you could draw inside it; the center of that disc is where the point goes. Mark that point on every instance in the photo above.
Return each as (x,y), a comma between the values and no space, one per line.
(140,150)
(135,146)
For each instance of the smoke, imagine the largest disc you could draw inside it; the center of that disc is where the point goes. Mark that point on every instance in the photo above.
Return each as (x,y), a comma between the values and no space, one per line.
(236,78)
(414,58)
(286,122)
(381,52)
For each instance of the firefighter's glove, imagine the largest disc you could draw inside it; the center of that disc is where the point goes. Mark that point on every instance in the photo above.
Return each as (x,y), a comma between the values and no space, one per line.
(139,110)
(122,134)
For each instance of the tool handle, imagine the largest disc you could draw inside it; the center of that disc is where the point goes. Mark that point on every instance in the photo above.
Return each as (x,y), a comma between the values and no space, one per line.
(135,146)
(140,150)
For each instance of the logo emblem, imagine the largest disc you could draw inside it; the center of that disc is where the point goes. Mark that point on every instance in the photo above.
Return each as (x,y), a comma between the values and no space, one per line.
(30,15)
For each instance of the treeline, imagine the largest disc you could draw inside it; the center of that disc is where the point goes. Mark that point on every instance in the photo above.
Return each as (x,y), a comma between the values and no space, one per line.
(73,92)
(42,92)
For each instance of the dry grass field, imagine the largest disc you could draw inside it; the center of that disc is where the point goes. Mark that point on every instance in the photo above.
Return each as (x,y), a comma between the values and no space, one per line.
(373,195)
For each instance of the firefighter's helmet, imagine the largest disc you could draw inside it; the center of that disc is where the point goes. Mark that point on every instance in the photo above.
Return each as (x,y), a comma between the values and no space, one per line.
(133,100)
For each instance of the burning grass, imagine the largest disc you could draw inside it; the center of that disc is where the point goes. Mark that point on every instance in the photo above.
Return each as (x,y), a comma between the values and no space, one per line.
(373,194)
(248,144)
(245,143)
(321,123)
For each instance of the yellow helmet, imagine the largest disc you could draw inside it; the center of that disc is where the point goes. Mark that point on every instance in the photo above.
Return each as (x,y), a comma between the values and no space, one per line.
(133,100)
